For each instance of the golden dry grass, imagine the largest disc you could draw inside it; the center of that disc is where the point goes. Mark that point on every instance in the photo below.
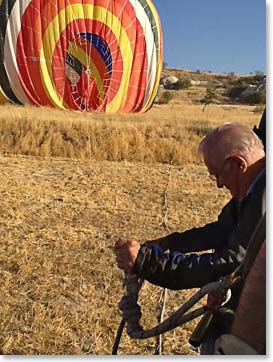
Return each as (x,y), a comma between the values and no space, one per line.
(60,217)
(156,136)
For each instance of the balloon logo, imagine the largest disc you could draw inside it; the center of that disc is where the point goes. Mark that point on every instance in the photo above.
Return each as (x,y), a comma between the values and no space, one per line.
(88,55)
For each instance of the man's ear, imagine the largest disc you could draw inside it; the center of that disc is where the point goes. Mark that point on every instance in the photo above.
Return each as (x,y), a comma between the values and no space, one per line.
(240,162)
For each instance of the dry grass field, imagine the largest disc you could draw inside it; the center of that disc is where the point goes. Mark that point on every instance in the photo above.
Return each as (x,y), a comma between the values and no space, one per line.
(70,185)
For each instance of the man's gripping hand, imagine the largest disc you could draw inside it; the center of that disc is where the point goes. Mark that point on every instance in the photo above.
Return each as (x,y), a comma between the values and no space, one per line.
(126,253)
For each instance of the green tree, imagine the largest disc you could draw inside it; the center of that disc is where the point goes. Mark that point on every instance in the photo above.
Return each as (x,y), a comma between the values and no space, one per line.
(210,97)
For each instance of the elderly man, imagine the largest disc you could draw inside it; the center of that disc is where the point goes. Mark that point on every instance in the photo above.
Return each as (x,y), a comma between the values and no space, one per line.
(235,158)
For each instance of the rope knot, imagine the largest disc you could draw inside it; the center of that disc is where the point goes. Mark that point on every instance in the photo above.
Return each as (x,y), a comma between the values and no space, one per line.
(131,311)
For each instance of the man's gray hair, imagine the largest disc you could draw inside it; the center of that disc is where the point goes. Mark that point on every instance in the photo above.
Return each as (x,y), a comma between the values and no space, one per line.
(230,139)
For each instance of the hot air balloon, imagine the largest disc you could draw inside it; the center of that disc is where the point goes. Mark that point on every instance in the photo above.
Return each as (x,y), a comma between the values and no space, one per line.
(83,55)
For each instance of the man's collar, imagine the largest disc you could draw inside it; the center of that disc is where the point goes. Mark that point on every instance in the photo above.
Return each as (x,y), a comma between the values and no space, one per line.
(253,183)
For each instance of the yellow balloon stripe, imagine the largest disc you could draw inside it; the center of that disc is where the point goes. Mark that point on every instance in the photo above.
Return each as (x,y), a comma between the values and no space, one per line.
(80,54)
(57,26)
(3,98)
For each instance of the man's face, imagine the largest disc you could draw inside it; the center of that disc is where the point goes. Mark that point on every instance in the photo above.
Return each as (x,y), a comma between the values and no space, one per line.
(226,173)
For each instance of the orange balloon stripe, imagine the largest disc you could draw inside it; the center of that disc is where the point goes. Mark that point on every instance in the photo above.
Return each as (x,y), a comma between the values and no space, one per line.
(28,66)
(28,55)
(137,85)
(136,91)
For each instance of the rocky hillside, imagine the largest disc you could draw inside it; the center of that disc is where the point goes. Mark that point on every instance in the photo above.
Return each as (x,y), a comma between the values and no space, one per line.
(207,87)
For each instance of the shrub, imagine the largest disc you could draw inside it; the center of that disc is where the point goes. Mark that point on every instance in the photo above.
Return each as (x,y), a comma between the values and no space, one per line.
(255,98)
(259,76)
(210,96)
(236,91)
(182,83)
(242,82)
(165,98)
(258,109)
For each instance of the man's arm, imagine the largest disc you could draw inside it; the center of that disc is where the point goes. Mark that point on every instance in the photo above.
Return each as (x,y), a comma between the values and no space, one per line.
(175,270)
(207,237)
(183,271)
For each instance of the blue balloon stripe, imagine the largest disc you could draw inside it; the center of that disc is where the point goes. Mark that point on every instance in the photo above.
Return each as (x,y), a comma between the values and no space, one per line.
(101,47)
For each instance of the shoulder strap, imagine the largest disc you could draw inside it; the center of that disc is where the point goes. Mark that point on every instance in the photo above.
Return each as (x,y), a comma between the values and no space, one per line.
(258,237)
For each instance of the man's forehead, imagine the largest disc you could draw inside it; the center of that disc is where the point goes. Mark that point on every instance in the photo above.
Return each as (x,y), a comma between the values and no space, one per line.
(211,160)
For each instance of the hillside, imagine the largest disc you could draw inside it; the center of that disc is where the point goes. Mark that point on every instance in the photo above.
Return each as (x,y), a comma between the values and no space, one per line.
(208,88)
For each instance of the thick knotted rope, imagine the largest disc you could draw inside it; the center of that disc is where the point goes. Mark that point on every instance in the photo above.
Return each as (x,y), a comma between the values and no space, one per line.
(131,311)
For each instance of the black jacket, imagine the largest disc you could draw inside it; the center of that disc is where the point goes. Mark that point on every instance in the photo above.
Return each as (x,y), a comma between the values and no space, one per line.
(261,129)
(229,237)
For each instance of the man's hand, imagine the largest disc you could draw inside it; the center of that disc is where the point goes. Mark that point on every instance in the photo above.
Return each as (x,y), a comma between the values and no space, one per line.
(126,253)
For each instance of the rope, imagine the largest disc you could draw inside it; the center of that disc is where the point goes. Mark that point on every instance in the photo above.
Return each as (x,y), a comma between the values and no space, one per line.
(165,205)
(163,296)
(132,313)
(133,285)
(118,336)
(163,299)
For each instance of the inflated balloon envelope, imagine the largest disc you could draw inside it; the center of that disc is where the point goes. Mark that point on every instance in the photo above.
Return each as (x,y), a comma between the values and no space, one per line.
(88,55)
